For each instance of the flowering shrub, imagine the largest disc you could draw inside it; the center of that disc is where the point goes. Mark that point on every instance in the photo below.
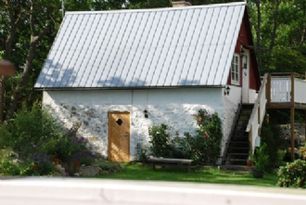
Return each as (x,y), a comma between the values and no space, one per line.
(303,152)
(293,174)
(203,148)
(206,144)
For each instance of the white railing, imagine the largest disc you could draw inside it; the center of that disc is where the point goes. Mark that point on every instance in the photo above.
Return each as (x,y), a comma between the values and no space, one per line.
(280,89)
(299,90)
(258,114)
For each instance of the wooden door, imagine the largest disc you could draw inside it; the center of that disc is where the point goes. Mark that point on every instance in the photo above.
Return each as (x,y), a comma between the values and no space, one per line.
(119,136)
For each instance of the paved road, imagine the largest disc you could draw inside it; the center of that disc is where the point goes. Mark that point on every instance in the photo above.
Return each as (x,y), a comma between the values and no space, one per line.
(57,191)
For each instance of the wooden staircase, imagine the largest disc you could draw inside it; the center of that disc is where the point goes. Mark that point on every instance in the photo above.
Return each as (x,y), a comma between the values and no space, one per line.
(277,91)
(239,148)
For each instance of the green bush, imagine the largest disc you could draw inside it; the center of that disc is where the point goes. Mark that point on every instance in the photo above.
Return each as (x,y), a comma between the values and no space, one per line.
(203,148)
(293,174)
(11,166)
(206,145)
(31,131)
(261,158)
(39,140)
(160,141)
(181,147)
(270,136)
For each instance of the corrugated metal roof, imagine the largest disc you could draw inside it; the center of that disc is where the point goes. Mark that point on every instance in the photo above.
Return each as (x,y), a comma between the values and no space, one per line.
(190,46)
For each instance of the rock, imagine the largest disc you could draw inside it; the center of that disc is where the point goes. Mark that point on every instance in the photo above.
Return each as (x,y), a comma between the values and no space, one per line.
(299,130)
(60,170)
(89,171)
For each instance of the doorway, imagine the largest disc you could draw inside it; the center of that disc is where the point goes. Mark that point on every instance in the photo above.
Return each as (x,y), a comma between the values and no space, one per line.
(245,75)
(119,136)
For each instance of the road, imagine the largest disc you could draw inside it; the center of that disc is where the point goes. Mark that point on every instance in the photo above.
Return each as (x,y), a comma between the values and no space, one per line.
(59,191)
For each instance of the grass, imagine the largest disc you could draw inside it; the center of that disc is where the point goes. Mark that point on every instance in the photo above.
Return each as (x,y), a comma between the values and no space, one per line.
(138,171)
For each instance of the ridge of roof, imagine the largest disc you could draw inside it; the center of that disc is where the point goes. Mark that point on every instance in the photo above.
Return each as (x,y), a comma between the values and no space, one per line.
(242,3)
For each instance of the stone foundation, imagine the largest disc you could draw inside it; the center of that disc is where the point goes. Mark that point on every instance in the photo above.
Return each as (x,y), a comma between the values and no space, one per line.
(285,132)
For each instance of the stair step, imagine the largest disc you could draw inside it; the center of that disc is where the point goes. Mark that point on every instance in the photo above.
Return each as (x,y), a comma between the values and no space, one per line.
(240,137)
(238,161)
(240,143)
(241,148)
(243,156)
(240,154)
(247,106)
(238,150)
(244,118)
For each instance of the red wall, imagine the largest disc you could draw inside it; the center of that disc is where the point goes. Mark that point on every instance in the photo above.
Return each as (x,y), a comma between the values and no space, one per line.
(245,40)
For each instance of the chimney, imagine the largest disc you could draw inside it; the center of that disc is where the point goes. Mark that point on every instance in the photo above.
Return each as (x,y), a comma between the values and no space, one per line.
(180,3)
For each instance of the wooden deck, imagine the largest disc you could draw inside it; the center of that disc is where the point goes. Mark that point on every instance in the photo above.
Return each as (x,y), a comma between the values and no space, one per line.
(286,90)
(278,91)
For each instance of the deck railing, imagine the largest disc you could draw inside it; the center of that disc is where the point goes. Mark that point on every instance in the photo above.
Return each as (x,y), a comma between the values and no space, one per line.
(275,92)
(281,86)
(280,89)
(258,114)
(299,90)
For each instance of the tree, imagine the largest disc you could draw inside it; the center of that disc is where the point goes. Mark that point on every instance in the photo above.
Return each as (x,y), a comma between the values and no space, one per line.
(28,28)
(280,28)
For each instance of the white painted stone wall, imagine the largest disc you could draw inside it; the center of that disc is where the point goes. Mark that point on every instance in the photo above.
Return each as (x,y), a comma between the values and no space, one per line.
(231,104)
(174,107)
(252,95)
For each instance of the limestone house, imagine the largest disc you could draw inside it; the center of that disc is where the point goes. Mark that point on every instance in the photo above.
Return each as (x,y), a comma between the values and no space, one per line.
(120,72)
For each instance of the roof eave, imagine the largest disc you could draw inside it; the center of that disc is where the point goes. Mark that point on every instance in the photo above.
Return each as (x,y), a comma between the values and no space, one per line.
(157,9)
(124,88)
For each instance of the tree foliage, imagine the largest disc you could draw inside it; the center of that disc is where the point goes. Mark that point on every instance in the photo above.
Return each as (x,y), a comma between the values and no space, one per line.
(282,33)
(28,28)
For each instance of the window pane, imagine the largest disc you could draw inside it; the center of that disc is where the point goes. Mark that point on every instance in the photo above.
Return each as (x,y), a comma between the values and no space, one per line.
(235,69)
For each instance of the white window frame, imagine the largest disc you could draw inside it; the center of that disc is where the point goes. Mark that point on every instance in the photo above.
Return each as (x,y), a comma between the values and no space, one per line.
(235,70)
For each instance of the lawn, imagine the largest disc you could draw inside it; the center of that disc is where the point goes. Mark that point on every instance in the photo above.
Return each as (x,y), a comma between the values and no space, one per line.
(206,175)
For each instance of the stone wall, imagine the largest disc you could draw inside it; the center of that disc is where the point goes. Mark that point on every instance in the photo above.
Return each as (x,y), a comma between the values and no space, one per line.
(91,109)
(285,132)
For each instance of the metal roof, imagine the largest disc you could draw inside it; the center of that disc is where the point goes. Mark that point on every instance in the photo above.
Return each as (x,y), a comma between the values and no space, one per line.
(190,46)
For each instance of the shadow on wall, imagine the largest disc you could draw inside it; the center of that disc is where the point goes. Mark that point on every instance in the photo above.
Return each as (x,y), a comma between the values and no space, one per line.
(56,75)
(91,124)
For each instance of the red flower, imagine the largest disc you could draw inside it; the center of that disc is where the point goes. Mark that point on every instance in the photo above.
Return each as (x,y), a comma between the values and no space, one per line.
(205,135)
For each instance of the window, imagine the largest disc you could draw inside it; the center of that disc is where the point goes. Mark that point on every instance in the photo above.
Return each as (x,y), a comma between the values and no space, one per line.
(235,71)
